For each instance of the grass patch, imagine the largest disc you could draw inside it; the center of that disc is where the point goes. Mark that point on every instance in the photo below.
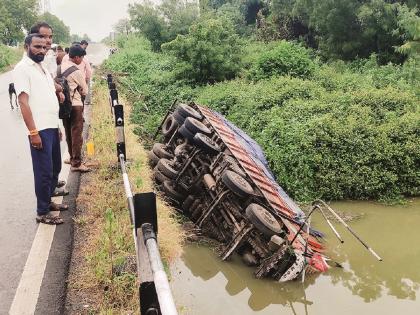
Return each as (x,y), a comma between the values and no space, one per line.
(103,272)
(9,57)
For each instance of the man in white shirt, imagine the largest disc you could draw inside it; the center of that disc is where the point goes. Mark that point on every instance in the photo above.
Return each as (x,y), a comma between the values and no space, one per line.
(39,107)
(50,63)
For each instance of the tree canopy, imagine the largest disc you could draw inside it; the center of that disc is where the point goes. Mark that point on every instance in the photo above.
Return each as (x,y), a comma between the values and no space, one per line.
(61,30)
(15,17)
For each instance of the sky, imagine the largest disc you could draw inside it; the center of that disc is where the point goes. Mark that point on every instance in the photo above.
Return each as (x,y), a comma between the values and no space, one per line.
(93,17)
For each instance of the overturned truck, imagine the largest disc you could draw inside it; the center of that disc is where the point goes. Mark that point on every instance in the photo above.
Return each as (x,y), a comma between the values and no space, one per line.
(216,175)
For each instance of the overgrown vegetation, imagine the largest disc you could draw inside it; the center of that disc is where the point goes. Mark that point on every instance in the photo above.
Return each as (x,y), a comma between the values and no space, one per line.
(8,56)
(103,274)
(331,129)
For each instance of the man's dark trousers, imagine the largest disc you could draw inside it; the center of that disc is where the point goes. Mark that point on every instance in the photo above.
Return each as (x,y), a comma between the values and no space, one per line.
(47,166)
(73,127)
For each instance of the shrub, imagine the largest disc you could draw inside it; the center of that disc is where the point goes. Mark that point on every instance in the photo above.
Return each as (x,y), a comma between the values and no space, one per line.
(209,53)
(344,132)
(285,58)
(339,144)
(8,56)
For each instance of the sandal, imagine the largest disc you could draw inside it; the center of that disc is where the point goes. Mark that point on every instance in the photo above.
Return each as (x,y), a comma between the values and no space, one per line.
(58,206)
(49,219)
(61,183)
(60,192)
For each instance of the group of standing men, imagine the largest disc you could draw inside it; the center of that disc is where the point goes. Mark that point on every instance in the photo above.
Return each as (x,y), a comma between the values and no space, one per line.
(39,96)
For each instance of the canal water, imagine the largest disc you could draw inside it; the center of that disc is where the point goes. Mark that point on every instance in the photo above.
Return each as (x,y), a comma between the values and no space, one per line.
(203,284)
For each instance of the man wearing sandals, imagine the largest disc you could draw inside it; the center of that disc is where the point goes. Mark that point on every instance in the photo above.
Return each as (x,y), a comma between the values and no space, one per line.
(78,90)
(46,31)
(39,106)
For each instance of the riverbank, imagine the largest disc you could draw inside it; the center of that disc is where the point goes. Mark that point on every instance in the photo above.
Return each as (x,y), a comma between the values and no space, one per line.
(103,268)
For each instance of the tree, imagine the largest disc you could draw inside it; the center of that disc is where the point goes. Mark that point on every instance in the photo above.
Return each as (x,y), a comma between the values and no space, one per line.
(346,29)
(61,30)
(123,26)
(409,24)
(146,19)
(209,53)
(179,16)
(15,17)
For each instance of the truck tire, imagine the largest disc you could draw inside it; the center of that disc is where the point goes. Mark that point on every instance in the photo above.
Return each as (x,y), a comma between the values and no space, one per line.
(263,220)
(159,177)
(186,205)
(169,126)
(165,166)
(153,158)
(187,111)
(237,184)
(233,165)
(196,126)
(206,144)
(170,192)
(179,119)
(186,133)
(161,151)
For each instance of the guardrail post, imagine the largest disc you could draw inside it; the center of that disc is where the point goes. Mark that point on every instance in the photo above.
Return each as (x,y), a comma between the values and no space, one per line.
(109,79)
(119,129)
(113,94)
(156,297)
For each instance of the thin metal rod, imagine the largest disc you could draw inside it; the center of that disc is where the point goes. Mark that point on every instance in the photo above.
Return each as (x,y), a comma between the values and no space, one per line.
(303,224)
(163,290)
(130,200)
(127,188)
(306,246)
(349,229)
(330,224)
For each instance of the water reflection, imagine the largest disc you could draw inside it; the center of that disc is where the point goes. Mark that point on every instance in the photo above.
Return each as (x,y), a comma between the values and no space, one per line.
(205,264)
(360,284)
(393,232)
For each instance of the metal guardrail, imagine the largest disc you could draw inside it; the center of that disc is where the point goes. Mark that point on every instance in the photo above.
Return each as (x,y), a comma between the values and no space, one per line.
(154,290)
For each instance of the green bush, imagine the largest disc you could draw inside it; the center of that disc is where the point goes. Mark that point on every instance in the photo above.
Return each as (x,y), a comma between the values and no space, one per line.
(8,56)
(149,82)
(339,144)
(285,58)
(346,131)
(209,53)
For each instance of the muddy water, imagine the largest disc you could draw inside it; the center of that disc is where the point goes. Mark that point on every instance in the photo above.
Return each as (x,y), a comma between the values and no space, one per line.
(205,285)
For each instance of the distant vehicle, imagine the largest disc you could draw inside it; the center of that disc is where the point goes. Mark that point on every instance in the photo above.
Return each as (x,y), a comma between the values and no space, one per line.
(215,174)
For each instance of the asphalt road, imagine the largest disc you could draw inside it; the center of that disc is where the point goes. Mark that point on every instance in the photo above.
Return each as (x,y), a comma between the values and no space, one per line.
(17,197)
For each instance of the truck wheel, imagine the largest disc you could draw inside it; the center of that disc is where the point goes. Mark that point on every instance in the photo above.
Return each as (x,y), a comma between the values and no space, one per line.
(233,165)
(186,205)
(169,125)
(187,111)
(169,190)
(161,151)
(153,158)
(165,166)
(263,220)
(206,144)
(186,133)
(237,184)
(196,126)
(179,119)
(159,177)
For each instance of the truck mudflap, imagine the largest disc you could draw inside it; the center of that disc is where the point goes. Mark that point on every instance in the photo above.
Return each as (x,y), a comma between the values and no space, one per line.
(218,176)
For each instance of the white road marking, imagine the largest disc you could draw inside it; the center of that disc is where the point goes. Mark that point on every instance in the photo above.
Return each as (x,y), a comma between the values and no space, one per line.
(27,293)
